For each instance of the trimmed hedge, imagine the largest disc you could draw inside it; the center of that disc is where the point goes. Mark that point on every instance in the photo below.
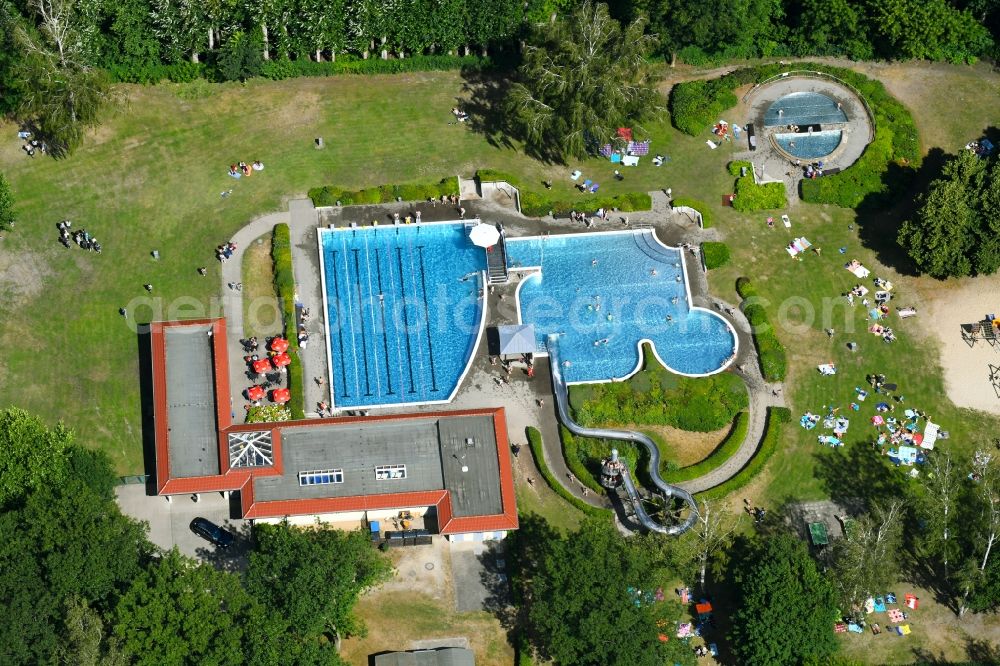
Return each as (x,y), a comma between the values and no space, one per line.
(284,284)
(707,217)
(716,254)
(881,173)
(721,454)
(330,194)
(537,204)
(776,417)
(773,360)
(571,454)
(535,442)
(751,196)
(737,166)
(695,105)
(283,68)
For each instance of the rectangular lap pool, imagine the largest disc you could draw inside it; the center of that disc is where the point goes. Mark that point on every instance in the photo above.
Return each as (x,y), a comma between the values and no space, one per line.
(404,311)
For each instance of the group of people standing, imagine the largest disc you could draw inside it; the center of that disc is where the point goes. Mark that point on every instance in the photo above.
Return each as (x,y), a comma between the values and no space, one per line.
(81,237)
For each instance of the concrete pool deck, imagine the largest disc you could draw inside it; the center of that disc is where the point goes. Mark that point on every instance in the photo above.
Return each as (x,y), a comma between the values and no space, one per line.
(521,396)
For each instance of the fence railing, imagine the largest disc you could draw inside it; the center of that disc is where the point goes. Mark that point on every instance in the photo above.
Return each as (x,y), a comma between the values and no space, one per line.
(811,74)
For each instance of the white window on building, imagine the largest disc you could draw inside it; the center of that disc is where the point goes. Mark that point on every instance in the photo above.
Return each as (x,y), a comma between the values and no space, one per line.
(321,477)
(390,472)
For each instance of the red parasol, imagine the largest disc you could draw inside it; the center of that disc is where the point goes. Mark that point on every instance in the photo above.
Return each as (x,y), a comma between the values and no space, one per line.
(281,360)
(281,395)
(262,365)
(279,345)
(255,392)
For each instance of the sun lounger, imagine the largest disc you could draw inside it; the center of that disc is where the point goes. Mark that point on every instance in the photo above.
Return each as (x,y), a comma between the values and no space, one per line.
(711,145)
(787,222)
(905,313)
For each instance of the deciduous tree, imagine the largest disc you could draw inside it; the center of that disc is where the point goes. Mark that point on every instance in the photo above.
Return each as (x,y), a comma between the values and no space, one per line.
(313,577)
(786,607)
(31,454)
(582,78)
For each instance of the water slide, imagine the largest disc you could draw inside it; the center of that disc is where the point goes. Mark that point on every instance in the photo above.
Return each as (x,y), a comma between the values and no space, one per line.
(669,491)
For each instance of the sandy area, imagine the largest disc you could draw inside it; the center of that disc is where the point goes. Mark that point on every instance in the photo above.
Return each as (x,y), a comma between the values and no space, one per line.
(966,369)
(686,448)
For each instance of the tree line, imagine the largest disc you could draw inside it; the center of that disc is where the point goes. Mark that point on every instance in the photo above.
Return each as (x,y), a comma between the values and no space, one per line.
(81,584)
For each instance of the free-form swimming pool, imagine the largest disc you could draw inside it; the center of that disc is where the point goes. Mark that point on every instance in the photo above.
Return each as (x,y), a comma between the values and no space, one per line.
(804,108)
(807,145)
(606,292)
(404,311)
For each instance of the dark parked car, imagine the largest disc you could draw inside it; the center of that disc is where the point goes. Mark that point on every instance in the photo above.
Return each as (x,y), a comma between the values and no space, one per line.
(208,530)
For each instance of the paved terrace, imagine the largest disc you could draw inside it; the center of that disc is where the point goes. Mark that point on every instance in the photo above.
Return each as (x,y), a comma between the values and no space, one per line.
(529,401)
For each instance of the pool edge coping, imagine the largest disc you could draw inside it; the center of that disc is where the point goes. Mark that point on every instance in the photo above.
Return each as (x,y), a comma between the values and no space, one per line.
(483,308)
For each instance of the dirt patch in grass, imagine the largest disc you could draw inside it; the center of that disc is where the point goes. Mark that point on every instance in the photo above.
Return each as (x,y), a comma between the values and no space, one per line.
(396,620)
(261,314)
(23,274)
(686,447)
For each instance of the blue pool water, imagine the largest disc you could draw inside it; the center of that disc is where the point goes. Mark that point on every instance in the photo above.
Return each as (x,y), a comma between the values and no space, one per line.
(574,296)
(403,311)
(809,146)
(804,108)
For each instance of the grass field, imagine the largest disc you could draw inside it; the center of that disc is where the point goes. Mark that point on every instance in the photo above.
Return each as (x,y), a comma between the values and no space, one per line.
(151,177)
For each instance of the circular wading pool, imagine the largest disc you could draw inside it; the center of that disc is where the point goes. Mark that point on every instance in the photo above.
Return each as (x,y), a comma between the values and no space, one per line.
(804,108)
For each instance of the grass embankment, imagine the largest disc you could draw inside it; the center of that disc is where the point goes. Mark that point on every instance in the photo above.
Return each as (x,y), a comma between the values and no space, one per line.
(720,455)
(535,443)
(261,312)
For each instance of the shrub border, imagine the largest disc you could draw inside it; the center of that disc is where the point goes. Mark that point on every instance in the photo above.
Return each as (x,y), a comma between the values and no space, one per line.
(718,252)
(722,453)
(329,195)
(776,417)
(535,442)
(284,284)
(769,347)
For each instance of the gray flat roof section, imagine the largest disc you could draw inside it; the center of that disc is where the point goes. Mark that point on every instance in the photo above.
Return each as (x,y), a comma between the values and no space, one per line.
(439,657)
(356,449)
(471,468)
(190,378)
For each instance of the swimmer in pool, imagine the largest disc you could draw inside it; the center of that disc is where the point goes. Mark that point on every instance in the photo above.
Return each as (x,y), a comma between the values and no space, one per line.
(652,272)
(593,262)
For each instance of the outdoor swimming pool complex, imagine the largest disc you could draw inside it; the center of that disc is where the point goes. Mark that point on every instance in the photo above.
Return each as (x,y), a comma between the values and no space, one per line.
(804,108)
(403,311)
(606,292)
(809,146)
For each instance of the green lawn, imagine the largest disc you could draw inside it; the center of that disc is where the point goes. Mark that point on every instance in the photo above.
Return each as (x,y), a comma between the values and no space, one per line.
(150,178)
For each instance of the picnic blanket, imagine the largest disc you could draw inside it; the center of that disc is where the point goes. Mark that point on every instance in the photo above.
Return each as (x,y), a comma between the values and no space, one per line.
(904,313)
(879,605)
(858,269)
(903,629)
(827,369)
(684,629)
(912,601)
(895,615)
(638,147)
(798,245)
(829,440)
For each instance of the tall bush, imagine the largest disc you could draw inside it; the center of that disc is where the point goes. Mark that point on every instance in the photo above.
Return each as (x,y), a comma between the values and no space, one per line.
(330,194)
(284,285)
